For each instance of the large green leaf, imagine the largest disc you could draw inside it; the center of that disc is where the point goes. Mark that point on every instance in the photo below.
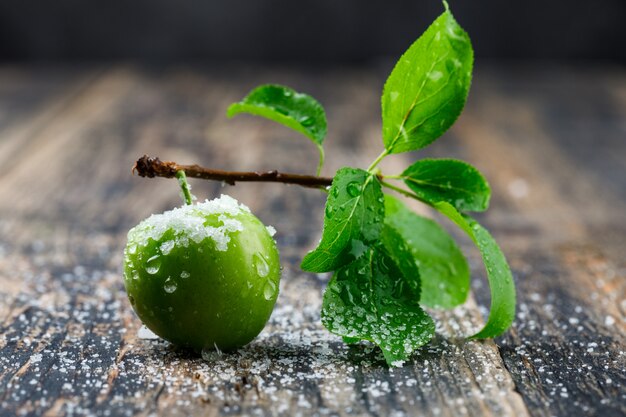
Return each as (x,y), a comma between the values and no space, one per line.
(428,87)
(451,180)
(501,283)
(355,211)
(370,299)
(445,275)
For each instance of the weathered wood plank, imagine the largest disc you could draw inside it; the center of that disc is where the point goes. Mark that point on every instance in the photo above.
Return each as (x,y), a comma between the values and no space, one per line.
(69,343)
(566,352)
(29,102)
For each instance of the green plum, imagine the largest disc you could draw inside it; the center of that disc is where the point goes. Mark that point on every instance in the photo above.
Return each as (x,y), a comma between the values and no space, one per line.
(203,276)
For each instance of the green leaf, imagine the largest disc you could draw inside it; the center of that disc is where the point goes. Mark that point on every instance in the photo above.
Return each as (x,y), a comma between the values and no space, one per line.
(354,217)
(350,340)
(370,299)
(501,283)
(286,106)
(428,87)
(445,275)
(456,182)
(397,248)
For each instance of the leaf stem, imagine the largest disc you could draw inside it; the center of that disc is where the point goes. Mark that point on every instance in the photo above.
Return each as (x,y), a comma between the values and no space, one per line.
(404,192)
(401,191)
(153,167)
(184,187)
(380,157)
(320,164)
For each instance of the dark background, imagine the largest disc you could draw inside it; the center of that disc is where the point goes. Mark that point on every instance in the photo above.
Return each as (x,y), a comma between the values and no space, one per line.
(302,31)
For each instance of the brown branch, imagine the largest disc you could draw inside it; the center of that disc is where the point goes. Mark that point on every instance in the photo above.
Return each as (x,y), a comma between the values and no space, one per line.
(153,167)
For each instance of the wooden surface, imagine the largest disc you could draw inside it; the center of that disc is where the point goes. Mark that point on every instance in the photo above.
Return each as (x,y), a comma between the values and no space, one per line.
(551,141)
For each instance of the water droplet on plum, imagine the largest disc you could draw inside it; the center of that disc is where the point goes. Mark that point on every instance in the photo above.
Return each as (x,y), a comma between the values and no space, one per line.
(269,291)
(153,265)
(169,286)
(261,265)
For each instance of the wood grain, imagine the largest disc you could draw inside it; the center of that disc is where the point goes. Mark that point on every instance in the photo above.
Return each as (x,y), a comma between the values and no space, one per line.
(550,141)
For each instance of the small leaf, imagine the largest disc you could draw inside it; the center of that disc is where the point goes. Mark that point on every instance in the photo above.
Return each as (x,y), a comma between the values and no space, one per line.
(370,299)
(428,87)
(456,182)
(445,275)
(354,217)
(286,106)
(501,283)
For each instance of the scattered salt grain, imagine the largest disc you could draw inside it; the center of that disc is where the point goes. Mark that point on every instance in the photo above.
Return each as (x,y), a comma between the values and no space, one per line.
(167,246)
(146,334)
(189,223)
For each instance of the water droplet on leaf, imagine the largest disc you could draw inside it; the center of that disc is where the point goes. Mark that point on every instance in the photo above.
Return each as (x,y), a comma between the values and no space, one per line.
(435,75)
(307,121)
(353,188)
(357,249)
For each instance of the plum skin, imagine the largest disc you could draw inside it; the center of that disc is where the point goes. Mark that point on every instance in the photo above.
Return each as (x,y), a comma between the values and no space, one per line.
(201,297)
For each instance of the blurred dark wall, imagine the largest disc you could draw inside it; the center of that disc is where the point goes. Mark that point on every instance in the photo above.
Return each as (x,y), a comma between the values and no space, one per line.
(306,31)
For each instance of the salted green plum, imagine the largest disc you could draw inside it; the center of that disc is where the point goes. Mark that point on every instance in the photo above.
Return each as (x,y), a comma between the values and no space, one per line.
(203,276)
